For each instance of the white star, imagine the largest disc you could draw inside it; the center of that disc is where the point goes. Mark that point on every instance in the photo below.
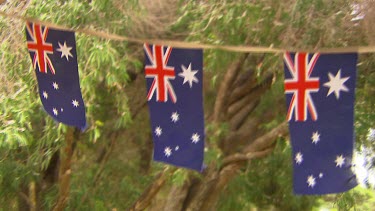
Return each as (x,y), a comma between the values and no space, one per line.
(65,51)
(188,75)
(45,95)
(55,112)
(311,181)
(340,160)
(61,109)
(158,131)
(321,175)
(75,103)
(336,84)
(315,137)
(195,138)
(168,151)
(176,148)
(175,117)
(299,158)
(55,85)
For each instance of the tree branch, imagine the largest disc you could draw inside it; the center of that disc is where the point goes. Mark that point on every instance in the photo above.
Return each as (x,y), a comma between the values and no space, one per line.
(238,105)
(239,118)
(248,94)
(264,143)
(267,140)
(66,154)
(238,157)
(26,199)
(242,88)
(198,193)
(241,137)
(145,199)
(224,176)
(223,93)
(239,111)
(233,164)
(177,195)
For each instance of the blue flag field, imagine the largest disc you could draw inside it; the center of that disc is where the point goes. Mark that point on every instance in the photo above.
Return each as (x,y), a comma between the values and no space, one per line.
(174,85)
(320,99)
(54,58)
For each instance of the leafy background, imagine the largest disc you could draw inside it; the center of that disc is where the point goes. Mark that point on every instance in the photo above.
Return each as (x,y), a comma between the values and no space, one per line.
(111,164)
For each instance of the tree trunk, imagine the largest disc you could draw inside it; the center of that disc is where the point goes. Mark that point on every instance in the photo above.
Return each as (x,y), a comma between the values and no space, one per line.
(33,196)
(23,198)
(66,154)
(205,193)
(146,198)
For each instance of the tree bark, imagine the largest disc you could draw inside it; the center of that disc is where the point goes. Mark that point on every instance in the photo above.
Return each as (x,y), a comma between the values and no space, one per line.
(65,171)
(177,196)
(24,203)
(201,189)
(224,176)
(146,198)
(230,167)
(33,196)
(224,89)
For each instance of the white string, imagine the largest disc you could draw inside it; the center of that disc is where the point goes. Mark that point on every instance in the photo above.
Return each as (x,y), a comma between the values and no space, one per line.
(191,45)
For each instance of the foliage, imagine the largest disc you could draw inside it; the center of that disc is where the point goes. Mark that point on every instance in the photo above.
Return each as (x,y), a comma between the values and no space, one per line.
(290,24)
(29,138)
(267,183)
(365,103)
(357,199)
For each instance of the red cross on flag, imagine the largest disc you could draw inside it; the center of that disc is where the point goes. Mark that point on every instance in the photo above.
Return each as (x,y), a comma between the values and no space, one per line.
(301,85)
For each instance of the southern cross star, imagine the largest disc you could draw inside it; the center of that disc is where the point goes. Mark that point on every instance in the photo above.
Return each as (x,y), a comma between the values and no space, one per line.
(55,85)
(195,138)
(340,160)
(168,151)
(299,158)
(45,95)
(311,181)
(158,131)
(55,112)
(175,117)
(315,137)
(75,103)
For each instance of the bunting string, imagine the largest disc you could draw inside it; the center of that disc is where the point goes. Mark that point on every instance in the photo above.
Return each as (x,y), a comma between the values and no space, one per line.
(190,45)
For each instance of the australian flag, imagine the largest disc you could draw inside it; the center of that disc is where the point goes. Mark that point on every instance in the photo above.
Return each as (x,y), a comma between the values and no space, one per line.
(174,83)
(54,58)
(320,96)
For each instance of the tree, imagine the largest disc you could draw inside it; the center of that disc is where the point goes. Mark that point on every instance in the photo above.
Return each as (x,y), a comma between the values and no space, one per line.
(263,23)
(242,89)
